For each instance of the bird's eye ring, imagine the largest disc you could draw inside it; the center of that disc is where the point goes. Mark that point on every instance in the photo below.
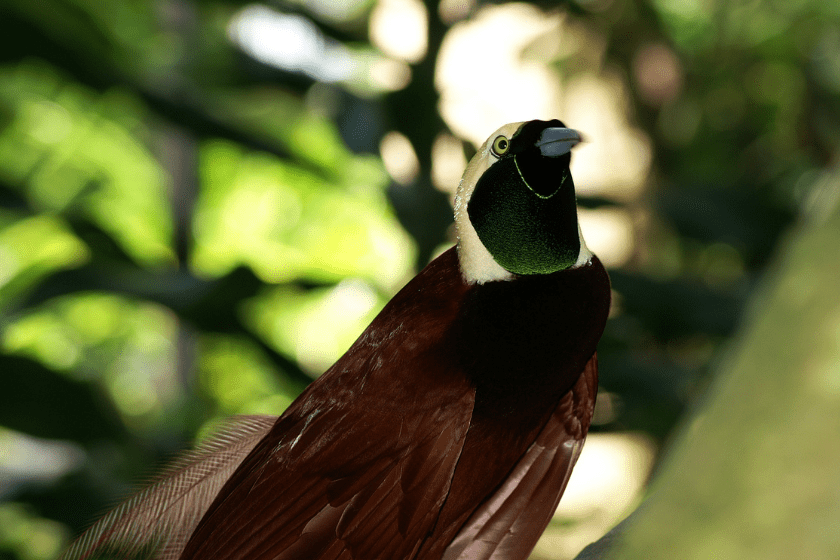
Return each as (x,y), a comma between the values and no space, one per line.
(500,145)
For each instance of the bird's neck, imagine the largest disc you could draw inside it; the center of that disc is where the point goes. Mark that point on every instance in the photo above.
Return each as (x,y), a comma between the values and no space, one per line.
(530,337)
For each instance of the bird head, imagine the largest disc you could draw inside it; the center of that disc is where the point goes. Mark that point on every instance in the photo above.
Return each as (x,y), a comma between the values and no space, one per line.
(515,209)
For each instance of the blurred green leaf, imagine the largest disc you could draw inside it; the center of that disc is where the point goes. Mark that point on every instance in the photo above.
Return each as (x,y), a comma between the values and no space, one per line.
(32,248)
(286,223)
(67,155)
(315,326)
(25,535)
(237,376)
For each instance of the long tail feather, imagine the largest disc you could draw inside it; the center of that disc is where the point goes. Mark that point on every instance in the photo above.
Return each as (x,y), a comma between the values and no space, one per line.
(156,523)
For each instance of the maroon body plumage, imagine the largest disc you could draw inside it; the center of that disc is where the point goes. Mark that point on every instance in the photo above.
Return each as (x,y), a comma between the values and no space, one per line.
(447,431)
(451,425)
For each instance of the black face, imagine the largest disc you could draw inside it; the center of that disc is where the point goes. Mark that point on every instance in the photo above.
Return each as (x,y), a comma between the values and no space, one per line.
(523,207)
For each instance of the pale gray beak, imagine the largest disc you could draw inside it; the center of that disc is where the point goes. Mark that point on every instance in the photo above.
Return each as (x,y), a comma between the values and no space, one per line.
(557,141)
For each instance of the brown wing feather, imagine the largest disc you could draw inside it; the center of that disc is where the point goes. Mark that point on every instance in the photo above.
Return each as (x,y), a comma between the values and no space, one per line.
(378,501)
(508,525)
(157,521)
(360,465)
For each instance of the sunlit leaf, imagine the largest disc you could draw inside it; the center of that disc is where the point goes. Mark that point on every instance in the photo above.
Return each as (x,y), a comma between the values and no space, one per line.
(316,326)
(286,223)
(240,379)
(27,535)
(66,155)
(33,247)
(124,345)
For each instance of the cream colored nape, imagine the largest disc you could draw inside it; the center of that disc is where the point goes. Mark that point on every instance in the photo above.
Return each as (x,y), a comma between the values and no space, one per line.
(477,264)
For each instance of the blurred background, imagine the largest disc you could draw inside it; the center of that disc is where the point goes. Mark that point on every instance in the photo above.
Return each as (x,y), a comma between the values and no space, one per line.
(204,202)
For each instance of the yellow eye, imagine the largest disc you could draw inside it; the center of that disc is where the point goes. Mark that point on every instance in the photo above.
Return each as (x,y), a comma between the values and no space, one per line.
(500,145)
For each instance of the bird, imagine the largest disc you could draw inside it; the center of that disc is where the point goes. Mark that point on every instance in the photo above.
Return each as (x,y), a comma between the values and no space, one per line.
(447,431)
